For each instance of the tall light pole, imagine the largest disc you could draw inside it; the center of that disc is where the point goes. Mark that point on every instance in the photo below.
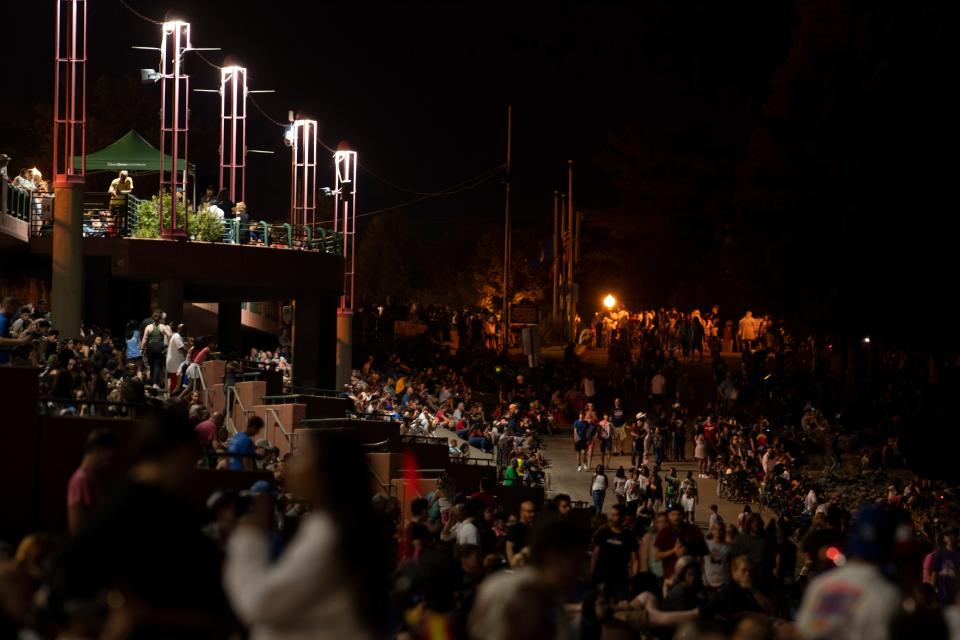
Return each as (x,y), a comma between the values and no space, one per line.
(556,262)
(233,93)
(302,138)
(564,256)
(571,293)
(69,144)
(174,121)
(345,223)
(507,230)
(233,131)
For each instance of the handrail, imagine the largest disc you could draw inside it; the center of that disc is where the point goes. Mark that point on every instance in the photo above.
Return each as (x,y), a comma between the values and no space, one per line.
(316,391)
(389,488)
(310,421)
(440,440)
(280,399)
(477,462)
(232,392)
(286,434)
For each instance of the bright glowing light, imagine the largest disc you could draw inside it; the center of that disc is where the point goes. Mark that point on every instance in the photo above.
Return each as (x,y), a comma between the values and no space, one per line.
(609,302)
(170,25)
(866,340)
(836,556)
(344,161)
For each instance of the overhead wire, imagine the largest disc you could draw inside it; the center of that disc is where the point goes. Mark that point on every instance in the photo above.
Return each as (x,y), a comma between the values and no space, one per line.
(138,14)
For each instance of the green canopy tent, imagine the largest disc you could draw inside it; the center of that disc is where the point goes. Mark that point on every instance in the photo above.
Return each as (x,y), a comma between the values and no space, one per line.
(133,153)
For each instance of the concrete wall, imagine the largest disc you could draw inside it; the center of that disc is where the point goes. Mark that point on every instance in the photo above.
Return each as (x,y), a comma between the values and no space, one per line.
(250,394)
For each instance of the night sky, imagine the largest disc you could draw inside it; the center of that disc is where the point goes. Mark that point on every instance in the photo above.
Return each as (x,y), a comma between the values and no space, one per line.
(790,156)
(421,89)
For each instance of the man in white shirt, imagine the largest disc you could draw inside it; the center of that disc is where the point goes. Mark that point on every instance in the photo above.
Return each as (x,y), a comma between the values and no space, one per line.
(747,331)
(468,533)
(176,354)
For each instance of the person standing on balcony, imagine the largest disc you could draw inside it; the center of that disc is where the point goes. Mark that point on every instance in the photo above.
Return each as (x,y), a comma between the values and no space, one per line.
(120,187)
(24,182)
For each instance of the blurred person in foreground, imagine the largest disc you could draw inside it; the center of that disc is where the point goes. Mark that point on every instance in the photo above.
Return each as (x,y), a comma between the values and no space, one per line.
(330,582)
(529,602)
(144,553)
(855,600)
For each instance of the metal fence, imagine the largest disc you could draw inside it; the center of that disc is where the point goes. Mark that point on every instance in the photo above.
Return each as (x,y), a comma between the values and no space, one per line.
(106,218)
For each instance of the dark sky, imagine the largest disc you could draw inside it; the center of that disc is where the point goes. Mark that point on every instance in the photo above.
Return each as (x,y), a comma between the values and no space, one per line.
(421,89)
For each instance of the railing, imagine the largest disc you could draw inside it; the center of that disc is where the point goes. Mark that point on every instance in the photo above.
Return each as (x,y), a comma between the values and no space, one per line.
(282,399)
(50,406)
(232,393)
(387,488)
(315,391)
(18,203)
(288,436)
(477,462)
(408,439)
(103,217)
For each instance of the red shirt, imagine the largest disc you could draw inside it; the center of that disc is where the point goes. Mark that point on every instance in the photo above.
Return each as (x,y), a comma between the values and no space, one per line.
(488,499)
(201,355)
(710,432)
(207,430)
(81,489)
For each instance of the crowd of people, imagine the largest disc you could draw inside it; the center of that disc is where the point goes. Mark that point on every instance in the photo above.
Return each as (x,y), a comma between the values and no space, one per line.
(100,373)
(309,552)
(691,333)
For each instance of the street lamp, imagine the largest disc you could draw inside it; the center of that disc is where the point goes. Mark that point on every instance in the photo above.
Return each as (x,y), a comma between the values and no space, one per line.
(609,302)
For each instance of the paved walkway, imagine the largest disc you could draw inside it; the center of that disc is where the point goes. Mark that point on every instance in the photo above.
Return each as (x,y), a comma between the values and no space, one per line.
(563,477)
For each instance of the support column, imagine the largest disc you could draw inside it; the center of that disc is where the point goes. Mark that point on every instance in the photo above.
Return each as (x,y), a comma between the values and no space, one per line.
(170,298)
(306,344)
(344,348)
(66,296)
(228,326)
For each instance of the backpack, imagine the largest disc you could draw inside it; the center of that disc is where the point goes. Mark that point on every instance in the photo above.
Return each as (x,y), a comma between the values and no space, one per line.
(155,344)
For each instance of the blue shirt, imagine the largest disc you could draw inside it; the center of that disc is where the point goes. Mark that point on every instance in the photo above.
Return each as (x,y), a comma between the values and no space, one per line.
(581,426)
(4,333)
(133,346)
(240,443)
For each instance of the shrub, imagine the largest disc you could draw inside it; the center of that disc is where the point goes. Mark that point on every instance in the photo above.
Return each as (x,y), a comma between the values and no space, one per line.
(202,225)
